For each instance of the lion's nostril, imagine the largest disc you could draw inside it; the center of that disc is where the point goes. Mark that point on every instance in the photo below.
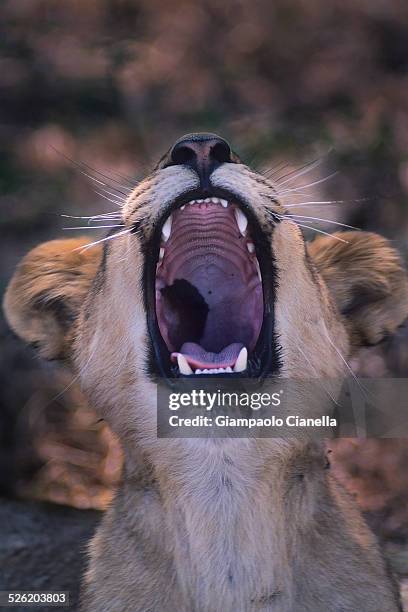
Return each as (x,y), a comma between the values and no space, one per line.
(221,152)
(182,154)
(201,152)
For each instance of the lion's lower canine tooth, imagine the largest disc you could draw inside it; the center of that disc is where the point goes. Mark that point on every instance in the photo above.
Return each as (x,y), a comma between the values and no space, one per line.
(183,365)
(241,362)
(166,229)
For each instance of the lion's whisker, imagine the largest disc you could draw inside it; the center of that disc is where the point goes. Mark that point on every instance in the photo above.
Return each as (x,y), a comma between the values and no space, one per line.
(88,227)
(91,244)
(318,182)
(105,220)
(312,205)
(344,360)
(120,200)
(106,198)
(299,190)
(317,203)
(129,179)
(269,173)
(103,216)
(317,230)
(323,220)
(294,174)
(81,165)
(320,382)
(126,191)
(95,180)
(107,176)
(326,202)
(294,192)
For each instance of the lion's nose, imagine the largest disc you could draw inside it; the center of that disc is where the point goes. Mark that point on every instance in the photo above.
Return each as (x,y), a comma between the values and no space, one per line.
(202,152)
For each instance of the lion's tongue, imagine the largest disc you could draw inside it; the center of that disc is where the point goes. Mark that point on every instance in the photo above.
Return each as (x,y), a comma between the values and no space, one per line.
(197,357)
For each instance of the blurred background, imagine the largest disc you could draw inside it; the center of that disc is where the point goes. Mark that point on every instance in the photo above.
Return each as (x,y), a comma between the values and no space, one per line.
(113,84)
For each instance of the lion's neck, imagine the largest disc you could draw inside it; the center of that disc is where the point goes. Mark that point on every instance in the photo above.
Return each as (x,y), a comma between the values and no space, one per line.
(222,506)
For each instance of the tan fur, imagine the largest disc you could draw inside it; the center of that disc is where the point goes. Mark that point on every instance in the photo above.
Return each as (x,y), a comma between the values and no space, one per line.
(368,285)
(230,525)
(46,293)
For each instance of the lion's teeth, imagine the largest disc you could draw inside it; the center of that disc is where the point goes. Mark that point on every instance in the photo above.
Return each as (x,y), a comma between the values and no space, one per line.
(223,203)
(241,362)
(250,247)
(242,221)
(161,253)
(166,229)
(183,365)
(258,269)
(214,371)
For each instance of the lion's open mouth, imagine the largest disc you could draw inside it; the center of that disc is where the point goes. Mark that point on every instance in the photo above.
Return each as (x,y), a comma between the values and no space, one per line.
(208,286)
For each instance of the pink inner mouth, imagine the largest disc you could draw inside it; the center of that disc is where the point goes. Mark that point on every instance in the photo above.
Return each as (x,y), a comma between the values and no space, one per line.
(209,300)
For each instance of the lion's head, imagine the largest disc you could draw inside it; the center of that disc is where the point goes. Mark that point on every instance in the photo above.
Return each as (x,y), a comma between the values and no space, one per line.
(208,276)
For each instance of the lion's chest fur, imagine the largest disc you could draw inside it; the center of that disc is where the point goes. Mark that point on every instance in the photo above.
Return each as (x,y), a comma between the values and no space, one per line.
(223,533)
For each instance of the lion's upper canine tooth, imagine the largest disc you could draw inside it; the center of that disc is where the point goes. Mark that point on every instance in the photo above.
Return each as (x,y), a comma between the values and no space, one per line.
(224,203)
(161,253)
(242,360)
(258,269)
(182,207)
(166,229)
(242,221)
(183,365)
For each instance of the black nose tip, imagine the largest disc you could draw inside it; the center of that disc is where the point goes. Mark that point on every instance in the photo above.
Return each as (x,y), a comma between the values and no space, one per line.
(202,152)
(200,148)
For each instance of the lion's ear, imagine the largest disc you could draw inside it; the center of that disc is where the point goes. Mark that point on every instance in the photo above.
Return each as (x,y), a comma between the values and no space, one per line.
(45,294)
(367,279)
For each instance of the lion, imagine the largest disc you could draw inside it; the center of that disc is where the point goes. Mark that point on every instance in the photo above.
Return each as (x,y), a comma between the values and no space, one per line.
(209,275)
